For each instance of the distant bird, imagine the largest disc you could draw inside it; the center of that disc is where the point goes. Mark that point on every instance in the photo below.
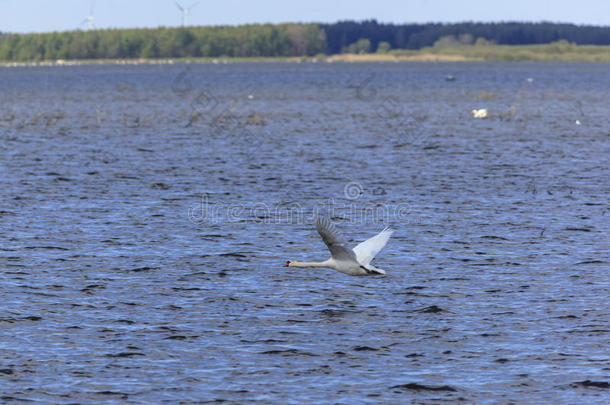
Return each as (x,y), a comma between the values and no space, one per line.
(354,262)
(480,113)
(450,78)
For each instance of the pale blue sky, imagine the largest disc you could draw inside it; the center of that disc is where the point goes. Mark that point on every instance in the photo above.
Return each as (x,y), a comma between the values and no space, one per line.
(61,15)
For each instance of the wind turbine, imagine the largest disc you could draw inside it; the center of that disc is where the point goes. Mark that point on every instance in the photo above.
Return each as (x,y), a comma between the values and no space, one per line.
(89,19)
(185,11)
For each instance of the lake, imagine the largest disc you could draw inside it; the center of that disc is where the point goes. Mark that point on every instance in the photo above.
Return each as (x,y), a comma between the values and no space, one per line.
(147,211)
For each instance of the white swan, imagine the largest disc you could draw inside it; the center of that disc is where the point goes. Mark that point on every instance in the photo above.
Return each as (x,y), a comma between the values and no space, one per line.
(480,113)
(356,261)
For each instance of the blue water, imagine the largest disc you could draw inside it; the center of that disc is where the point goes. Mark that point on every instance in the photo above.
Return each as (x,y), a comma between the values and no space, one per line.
(146,212)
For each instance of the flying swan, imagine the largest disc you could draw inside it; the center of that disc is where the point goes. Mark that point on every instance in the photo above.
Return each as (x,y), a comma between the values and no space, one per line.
(356,261)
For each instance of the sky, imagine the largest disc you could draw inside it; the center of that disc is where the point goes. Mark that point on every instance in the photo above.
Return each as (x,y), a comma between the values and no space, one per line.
(63,15)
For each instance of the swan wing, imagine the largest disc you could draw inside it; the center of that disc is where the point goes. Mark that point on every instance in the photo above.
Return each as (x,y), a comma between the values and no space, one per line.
(334,240)
(367,250)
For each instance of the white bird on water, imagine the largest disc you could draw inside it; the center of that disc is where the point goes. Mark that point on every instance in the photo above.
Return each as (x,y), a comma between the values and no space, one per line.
(356,261)
(480,113)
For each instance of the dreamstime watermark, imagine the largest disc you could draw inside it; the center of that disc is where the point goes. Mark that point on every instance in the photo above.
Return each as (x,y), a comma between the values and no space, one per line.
(353,190)
(353,210)
(406,126)
(230,114)
(219,112)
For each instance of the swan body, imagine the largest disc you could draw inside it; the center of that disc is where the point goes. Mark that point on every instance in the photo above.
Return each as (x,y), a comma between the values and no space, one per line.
(354,262)
(480,113)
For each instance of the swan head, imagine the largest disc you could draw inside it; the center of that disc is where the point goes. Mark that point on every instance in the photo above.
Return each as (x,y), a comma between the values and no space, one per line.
(288,263)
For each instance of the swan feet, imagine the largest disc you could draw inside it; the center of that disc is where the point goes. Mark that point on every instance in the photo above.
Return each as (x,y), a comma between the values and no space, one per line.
(371,271)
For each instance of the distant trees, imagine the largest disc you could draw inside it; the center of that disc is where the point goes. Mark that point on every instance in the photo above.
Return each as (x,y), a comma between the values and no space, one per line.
(416,36)
(461,40)
(259,40)
(383,47)
(229,41)
(306,39)
(363,45)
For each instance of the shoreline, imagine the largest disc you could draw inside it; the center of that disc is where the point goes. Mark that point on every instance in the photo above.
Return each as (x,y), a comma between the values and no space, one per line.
(371,58)
(504,53)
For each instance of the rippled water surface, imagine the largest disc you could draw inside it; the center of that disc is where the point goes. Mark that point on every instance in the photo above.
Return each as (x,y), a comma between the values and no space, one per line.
(146,212)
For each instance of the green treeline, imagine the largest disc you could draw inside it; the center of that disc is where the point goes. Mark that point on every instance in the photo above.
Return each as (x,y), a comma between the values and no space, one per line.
(227,41)
(284,40)
(342,34)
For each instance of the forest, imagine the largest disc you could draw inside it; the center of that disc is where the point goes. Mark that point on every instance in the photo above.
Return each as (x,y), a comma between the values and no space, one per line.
(342,34)
(284,40)
(227,41)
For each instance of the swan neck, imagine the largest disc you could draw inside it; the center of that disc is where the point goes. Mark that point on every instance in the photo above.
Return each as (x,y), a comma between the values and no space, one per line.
(309,264)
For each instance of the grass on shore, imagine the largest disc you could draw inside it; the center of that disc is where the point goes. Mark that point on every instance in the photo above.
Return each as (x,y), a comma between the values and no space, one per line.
(560,51)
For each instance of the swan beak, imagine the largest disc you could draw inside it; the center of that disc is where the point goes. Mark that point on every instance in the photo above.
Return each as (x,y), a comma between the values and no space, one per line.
(285,264)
